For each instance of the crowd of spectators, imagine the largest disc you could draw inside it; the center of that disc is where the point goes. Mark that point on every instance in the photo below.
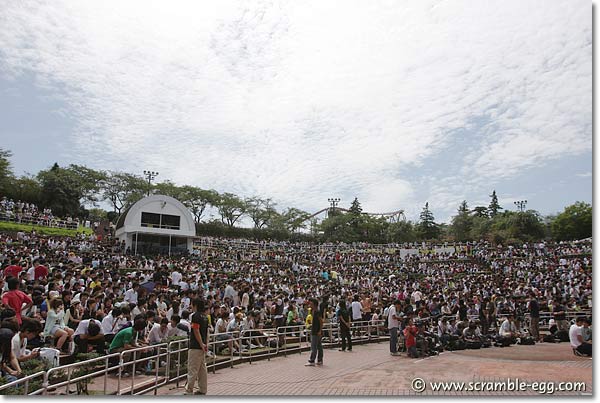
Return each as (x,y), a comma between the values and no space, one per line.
(29,213)
(79,294)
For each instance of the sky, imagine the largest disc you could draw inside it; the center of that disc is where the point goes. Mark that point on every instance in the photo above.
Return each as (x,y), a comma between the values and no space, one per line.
(396,103)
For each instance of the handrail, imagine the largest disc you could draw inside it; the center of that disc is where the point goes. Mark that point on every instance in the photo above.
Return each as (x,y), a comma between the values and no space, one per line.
(168,350)
(26,380)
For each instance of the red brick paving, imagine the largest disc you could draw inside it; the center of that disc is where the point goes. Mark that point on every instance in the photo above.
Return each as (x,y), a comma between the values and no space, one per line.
(370,370)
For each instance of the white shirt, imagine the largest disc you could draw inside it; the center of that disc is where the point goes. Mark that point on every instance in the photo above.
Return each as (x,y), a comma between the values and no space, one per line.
(574,331)
(392,322)
(17,348)
(131,296)
(109,325)
(82,328)
(31,273)
(506,328)
(156,335)
(356,310)
(176,277)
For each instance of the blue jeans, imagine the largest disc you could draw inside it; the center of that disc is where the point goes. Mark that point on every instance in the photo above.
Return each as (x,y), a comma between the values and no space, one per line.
(394,340)
(316,347)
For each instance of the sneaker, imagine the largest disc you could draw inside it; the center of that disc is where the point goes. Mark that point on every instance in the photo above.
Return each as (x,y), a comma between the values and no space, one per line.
(320,363)
(309,364)
(341,349)
(199,393)
(577,353)
(396,354)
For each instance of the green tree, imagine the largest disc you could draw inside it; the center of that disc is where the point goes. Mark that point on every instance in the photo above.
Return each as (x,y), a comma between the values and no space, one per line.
(480,211)
(462,223)
(168,188)
(295,219)
(231,208)
(427,228)
(122,190)
(260,211)
(65,190)
(494,207)
(6,174)
(400,232)
(575,222)
(197,200)
(27,189)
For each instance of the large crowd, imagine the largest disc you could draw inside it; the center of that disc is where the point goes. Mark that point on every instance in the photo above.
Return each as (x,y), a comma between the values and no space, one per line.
(80,294)
(28,213)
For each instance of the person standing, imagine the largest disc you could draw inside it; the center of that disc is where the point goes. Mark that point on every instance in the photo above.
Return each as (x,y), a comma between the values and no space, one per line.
(316,333)
(393,325)
(197,352)
(344,318)
(534,317)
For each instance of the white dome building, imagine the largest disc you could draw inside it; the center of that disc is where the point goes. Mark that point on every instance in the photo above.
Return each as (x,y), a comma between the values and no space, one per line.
(157,224)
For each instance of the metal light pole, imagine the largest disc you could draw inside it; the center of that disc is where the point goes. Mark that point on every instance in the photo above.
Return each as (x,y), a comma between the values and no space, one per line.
(150,175)
(521,204)
(333,202)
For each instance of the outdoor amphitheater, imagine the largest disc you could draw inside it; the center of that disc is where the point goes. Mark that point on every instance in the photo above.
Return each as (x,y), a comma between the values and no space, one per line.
(441,291)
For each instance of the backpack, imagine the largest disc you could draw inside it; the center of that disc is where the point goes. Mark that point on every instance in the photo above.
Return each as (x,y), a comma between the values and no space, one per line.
(473,345)
(562,335)
(527,341)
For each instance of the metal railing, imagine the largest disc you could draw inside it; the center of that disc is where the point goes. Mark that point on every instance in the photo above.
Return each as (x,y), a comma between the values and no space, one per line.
(40,220)
(165,362)
(24,383)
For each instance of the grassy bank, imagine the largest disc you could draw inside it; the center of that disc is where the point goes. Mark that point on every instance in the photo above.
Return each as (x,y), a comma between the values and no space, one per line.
(39,229)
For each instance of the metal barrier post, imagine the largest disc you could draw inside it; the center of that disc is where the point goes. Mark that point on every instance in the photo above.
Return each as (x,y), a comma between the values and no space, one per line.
(45,384)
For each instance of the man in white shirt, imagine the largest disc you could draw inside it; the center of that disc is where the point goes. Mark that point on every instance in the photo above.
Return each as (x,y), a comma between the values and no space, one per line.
(394,319)
(131,295)
(159,332)
(580,347)
(111,324)
(29,330)
(176,278)
(508,330)
(89,331)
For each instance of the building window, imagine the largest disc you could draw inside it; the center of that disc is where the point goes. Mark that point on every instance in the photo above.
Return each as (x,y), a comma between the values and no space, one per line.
(164,221)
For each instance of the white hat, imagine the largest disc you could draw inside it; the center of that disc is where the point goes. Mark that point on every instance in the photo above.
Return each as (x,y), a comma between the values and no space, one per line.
(53,294)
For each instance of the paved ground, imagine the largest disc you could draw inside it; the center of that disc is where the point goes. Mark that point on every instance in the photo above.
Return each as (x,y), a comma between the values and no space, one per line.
(370,370)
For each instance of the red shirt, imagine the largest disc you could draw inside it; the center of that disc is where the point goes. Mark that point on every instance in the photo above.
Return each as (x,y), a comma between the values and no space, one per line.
(40,272)
(15,300)
(12,270)
(410,333)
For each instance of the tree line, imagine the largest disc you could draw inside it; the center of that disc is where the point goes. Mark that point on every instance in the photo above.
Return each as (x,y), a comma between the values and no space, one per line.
(77,191)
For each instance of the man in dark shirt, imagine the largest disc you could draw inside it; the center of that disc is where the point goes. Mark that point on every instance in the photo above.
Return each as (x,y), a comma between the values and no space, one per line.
(198,348)
(534,314)
(316,333)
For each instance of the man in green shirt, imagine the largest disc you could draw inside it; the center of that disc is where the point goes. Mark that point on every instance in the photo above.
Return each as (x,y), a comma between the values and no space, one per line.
(126,339)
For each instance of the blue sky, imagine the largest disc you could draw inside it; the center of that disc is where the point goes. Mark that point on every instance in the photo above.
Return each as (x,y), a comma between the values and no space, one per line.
(396,103)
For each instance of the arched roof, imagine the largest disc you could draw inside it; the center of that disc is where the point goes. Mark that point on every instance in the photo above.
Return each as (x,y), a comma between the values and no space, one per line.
(130,219)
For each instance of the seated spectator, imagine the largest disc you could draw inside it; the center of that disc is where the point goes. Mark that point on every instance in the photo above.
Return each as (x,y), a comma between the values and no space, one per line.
(30,329)
(508,330)
(580,346)
(159,332)
(89,331)
(9,365)
(55,325)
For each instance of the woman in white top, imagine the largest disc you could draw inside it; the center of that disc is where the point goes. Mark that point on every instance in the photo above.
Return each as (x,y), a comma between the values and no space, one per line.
(55,324)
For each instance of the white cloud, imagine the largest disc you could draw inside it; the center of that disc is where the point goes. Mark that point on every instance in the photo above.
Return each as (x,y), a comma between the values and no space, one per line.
(305,101)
